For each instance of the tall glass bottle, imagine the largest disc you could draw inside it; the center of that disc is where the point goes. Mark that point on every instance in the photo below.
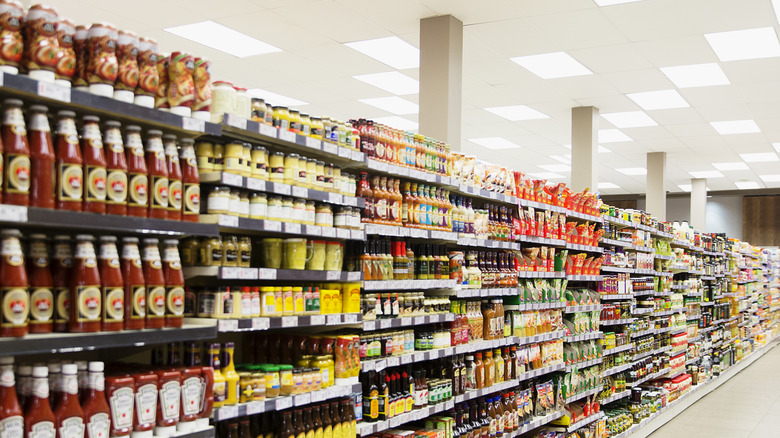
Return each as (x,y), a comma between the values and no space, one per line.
(158,175)
(41,286)
(137,174)
(41,158)
(70,174)
(94,166)
(116,169)
(174,284)
(68,413)
(190,182)
(113,314)
(39,419)
(134,285)
(16,186)
(85,295)
(155,284)
(61,272)
(13,286)
(174,177)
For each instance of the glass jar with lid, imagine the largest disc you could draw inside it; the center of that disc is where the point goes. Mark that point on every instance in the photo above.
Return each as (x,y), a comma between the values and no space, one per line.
(189,248)
(230,251)
(305,125)
(316,128)
(311,173)
(300,177)
(269,114)
(204,152)
(281,118)
(352,190)
(295,121)
(246,170)
(258,110)
(341,218)
(311,213)
(243,204)
(275,208)
(258,206)
(218,201)
(244,252)
(320,182)
(337,179)
(291,168)
(276,163)
(324,216)
(243,106)
(219,157)
(287,209)
(355,217)
(259,163)
(299,211)
(210,252)
(328,181)
(235,201)
(223,99)
(234,157)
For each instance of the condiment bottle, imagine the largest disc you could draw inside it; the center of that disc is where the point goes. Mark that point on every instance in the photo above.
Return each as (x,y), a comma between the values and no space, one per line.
(155,284)
(127,61)
(94,166)
(113,286)
(16,186)
(134,285)
(103,66)
(168,402)
(40,42)
(68,413)
(10,409)
(116,169)
(191,394)
(13,286)
(174,284)
(147,73)
(190,182)
(145,412)
(41,158)
(61,271)
(158,175)
(327,425)
(174,177)
(336,419)
(12,46)
(299,429)
(120,395)
(96,412)
(181,88)
(137,174)
(85,302)
(219,388)
(286,429)
(161,97)
(70,175)
(41,286)
(39,419)
(229,371)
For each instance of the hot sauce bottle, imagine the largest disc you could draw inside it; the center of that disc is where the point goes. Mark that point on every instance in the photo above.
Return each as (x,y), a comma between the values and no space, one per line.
(41,158)
(190,181)
(174,284)
(174,177)
(94,403)
(11,420)
(61,270)
(155,285)
(116,169)
(158,175)
(13,286)
(38,417)
(137,175)
(85,294)
(135,287)
(41,286)
(70,175)
(68,413)
(94,166)
(16,186)
(113,287)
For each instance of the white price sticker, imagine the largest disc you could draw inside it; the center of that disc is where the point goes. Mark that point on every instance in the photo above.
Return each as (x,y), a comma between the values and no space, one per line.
(330,147)
(406,358)
(335,198)
(328,232)
(353,276)
(350,318)
(269,131)
(228,221)
(419,320)
(493,195)
(358,156)
(313,143)
(255,184)
(228,412)
(289,321)
(281,189)
(272,226)
(318,396)
(54,91)
(192,124)
(342,233)
(287,136)
(13,213)
(284,403)
(266,274)
(395,421)
(292,228)
(260,323)
(393,361)
(229,273)
(380,365)
(420,356)
(300,192)
(232,179)
(228,325)
(385,323)
(334,319)
(333,275)
(302,399)
(253,408)
(313,230)
(369,326)
(345,153)
(350,201)
(247,273)
(317,320)
(236,122)
(406,320)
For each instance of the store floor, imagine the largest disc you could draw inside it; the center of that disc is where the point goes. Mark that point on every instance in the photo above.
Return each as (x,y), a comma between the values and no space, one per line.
(747,406)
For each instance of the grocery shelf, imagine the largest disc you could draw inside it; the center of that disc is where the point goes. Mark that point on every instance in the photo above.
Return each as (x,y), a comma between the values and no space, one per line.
(265,323)
(615,397)
(535,306)
(647,378)
(663,293)
(659,233)
(641,333)
(492,292)
(583,364)
(541,274)
(209,432)
(609,351)
(607,322)
(586,248)
(584,337)
(642,310)
(616,296)
(407,321)
(617,269)
(663,274)
(678,373)
(613,242)
(416,233)
(581,395)
(540,372)
(231,273)
(676,331)
(664,257)
(541,240)
(618,221)
(584,216)
(370,285)
(693,294)
(585,421)
(583,308)
(616,369)
(708,278)
(644,248)
(364,429)
(584,277)
(243,225)
(662,330)
(488,243)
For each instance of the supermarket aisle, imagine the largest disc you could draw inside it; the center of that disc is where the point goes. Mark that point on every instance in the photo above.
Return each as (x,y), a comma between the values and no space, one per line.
(747,406)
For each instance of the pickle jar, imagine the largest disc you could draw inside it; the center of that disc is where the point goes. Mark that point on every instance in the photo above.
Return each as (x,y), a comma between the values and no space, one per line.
(328,185)
(341,218)
(210,252)
(258,206)
(295,122)
(316,128)
(230,252)
(337,181)
(190,248)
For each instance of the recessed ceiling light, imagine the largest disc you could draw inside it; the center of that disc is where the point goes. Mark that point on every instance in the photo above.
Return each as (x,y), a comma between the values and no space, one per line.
(517,112)
(697,75)
(562,158)
(612,136)
(737,165)
(275,99)
(736,127)
(685,187)
(613,2)
(747,185)
(393,104)
(759,158)
(392,51)
(397,123)
(222,38)
(552,65)
(494,143)
(608,185)
(546,175)
(776,7)
(706,174)
(776,145)
(662,99)
(744,44)
(392,82)
(555,167)
(632,171)
(770,178)
(630,119)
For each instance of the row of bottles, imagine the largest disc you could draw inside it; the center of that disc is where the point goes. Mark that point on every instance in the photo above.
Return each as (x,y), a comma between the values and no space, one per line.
(84,292)
(419,206)
(335,419)
(397,260)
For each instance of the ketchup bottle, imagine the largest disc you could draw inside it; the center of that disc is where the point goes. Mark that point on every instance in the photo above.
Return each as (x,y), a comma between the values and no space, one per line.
(158,175)
(145,412)
(94,166)
(17,155)
(14,295)
(60,271)
(41,158)
(174,284)
(137,175)
(85,294)
(190,180)
(169,401)
(191,391)
(68,413)
(38,417)
(113,286)
(10,409)
(120,394)
(174,177)
(135,287)
(155,284)
(95,406)
(116,169)
(41,286)
(70,174)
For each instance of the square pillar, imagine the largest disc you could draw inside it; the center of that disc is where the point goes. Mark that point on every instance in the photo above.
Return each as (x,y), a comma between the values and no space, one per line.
(655,190)
(699,204)
(585,148)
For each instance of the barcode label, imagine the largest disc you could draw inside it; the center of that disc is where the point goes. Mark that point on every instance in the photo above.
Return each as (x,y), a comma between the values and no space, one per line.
(54,91)
(269,131)
(192,124)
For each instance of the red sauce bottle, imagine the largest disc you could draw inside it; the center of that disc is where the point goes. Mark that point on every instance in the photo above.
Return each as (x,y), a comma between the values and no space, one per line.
(60,270)
(68,413)
(38,417)
(207,381)
(70,174)
(85,294)
(191,392)
(96,412)
(155,285)
(137,175)
(41,158)
(10,409)
(14,295)
(113,287)
(41,286)
(158,175)
(135,287)
(120,393)
(174,284)
(116,169)
(145,412)
(16,186)
(174,177)
(169,401)
(190,181)
(94,166)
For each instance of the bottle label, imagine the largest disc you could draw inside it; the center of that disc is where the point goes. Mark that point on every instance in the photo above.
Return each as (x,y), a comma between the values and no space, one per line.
(138,295)
(44,429)
(174,194)
(98,426)
(170,395)
(41,305)
(138,190)
(174,300)
(113,140)
(70,177)
(121,402)
(88,302)
(40,388)
(146,404)
(12,427)
(72,427)
(16,306)
(116,183)
(96,183)
(114,304)
(190,396)
(191,199)
(17,173)
(39,122)
(62,304)
(159,192)
(220,390)
(155,302)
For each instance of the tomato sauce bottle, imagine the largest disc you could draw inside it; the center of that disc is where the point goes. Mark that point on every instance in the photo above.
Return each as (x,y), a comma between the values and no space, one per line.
(174,177)
(158,175)
(120,395)
(155,284)
(174,284)
(137,174)
(135,287)
(16,186)
(11,418)
(145,412)
(38,417)
(116,169)
(68,413)
(60,272)
(70,175)
(85,294)
(96,412)
(94,166)
(41,158)
(41,286)
(113,287)
(14,295)
(190,181)
(169,402)
(191,393)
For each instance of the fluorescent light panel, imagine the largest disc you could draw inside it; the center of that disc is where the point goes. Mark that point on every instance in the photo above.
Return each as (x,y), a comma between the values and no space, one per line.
(760,157)
(494,143)
(546,175)
(397,123)
(776,145)
(222,38)
(706,174)
(737,165)
(736,127)
(394,104)
(632,171)
(561,158)
(608,185)
(744,44)
(630,119)
(685,187)
(392,51)
(661,99)
(392,82)
(770,178)
(696,75)
(747,185)
(517,112)
(555,167)
(612,136)
(275,99)
(552,65)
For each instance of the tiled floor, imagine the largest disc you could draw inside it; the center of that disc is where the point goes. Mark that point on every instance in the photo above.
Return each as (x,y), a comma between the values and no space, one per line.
(747,406)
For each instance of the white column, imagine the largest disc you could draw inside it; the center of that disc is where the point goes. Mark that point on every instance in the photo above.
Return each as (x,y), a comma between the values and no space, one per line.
(585,148)
(655,190)
(441,78)
(699,204)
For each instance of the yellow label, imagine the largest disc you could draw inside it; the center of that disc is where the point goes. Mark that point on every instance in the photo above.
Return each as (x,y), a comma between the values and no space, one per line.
(138,190)
(71,177)
(155,302)
(191,199)
(89,303)
(96,183)
(41,305)
(174,194)
(174,301)
(17,174)
(159,192)
(139,302)
(113,304)
(16,306)
(116,187)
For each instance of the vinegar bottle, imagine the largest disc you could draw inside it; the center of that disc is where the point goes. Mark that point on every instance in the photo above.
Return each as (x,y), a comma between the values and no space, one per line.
(60,271)
(134,285)
(174,177)
(70,174)
(13,286)
(113,314)
(116,169)
(41,286)
(174,284)
(155,285)
(95,407)
(137,174)
(41,159)
(94,166)
(38,417)
(10,410)
(158,175)
(16,186)
(68,413)
(85,294)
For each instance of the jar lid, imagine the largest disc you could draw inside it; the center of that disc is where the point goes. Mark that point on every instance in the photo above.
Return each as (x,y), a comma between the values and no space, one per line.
(284,367)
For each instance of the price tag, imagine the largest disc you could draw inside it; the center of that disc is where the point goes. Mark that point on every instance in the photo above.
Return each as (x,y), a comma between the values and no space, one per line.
(449,404)
(395,421)
(333,275)
(330,147)
(393,361)
(350,201)
(313,143)
(380,365)
(406,320)
(247,273)
(419,320)
(266,274)
(358,156)
(493,195)
(313,230)
(292,228)
(318,396)
(228,325)
(406,358)
(385,323)
(253,408)
(335,198)
(268,131)
(228,273)
(13,213)
(287,136)
(284,403)
(302,399)
(317,320)
(345,153)
(289,321)
(300,192)
(342,233)
(236,122)
(192,124)
(350,318)
(334,319)
(54,91)
(420,356)
(260,323)
(281,189)
(328,232)
(272,226)
(255,184)
(228,412)
(228,221)
(369,326)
